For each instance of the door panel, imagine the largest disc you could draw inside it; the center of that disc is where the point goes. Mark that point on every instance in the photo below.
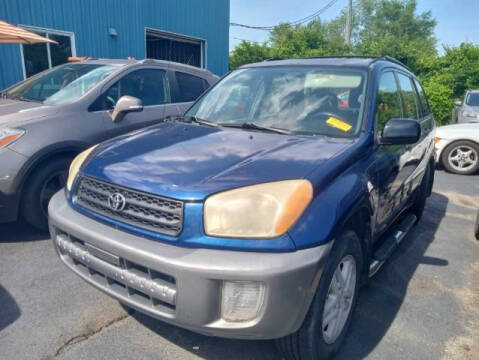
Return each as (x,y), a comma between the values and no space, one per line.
(150,85)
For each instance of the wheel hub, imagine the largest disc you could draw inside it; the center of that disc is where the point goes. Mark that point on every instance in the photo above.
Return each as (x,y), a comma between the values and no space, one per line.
(339,299)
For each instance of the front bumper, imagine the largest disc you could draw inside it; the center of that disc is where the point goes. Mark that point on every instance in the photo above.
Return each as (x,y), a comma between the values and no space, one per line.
(182,286)
(10,169)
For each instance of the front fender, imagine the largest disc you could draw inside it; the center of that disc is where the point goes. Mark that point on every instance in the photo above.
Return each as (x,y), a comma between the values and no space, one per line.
(330,210)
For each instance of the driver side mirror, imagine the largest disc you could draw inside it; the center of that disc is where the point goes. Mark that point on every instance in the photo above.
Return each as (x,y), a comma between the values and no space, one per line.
(401,131)
(125,105)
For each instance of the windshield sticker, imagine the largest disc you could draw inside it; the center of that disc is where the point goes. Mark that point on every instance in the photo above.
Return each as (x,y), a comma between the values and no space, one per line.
(338,124)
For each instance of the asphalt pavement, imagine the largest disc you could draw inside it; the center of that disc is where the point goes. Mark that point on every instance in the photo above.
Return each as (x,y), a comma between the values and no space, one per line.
(423,304)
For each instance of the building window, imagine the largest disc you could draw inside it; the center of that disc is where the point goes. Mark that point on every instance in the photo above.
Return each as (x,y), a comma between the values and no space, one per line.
(172,47)
(39,57)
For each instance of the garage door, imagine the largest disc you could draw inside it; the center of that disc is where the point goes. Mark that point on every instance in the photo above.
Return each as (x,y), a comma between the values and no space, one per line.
(172,47)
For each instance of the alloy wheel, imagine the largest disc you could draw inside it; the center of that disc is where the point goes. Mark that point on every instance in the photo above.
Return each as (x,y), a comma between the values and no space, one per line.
(339,299)
(462,158)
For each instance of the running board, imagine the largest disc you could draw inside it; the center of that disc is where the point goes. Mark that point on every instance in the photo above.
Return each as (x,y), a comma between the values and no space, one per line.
(391,243)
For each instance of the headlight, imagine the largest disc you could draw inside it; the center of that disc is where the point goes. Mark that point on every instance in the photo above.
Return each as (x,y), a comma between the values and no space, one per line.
(76,164)
(9,135)
(258,211)
(470,114)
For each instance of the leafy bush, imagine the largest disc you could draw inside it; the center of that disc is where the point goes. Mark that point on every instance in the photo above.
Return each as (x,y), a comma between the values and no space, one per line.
(440,99)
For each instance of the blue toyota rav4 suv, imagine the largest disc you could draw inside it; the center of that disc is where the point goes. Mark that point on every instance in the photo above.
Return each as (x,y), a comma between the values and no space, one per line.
(259,213)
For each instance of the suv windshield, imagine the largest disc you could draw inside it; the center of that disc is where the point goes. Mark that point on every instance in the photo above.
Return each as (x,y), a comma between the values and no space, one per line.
(473,99)
(62,84)
(302,99)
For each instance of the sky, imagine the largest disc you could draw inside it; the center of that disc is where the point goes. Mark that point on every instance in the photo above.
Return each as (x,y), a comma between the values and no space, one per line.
(457,20)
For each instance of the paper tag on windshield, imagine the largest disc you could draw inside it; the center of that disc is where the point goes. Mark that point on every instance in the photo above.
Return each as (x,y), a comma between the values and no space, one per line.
(338,124)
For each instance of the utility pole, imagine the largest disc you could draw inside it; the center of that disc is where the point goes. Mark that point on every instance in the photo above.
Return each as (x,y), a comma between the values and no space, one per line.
(349,23)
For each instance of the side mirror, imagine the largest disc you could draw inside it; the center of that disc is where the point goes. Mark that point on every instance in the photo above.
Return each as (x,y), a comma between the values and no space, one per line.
(125,105)
(458,103)
(401,131)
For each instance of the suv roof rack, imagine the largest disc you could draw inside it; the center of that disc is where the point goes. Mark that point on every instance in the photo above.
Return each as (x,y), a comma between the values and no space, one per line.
(373,58)
(391,59)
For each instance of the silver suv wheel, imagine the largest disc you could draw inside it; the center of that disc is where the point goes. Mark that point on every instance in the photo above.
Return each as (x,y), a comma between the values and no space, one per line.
(339,299)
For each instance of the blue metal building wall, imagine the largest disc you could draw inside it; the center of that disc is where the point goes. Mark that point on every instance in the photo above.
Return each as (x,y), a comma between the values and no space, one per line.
(89,20)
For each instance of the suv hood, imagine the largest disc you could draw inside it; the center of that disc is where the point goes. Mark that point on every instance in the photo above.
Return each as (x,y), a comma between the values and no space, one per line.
(189,162)
(17,113)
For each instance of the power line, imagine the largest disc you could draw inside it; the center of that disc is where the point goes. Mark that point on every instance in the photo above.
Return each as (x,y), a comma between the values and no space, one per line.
(296,22)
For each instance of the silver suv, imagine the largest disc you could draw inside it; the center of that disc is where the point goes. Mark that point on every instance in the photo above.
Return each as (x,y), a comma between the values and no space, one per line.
(468,111)
(49,118)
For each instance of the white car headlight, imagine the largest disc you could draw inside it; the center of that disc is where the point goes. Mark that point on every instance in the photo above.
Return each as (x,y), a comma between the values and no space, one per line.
(76,165)
(258,211)
(9,135)
(466,113)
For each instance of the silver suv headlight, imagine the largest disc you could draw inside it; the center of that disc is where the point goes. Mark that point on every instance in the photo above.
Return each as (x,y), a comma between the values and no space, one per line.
(9,135)
(259,211)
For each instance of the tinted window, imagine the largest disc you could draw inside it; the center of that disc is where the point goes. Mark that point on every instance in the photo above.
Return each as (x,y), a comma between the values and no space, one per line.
(148,85)
(189,87)
(408,95)
(388,105)
(425,109)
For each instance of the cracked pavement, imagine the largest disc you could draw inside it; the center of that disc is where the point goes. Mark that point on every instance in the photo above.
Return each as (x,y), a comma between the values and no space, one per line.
(423,304)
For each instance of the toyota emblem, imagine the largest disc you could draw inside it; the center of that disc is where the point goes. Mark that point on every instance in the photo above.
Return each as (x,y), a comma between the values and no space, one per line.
(116,202)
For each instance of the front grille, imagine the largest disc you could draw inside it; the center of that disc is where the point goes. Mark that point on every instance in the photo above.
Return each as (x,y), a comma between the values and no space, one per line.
(143,210)
(141,285)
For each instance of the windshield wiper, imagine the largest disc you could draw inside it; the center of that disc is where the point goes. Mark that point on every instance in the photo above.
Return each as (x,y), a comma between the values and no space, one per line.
(200,121)
(193,119)
(25,99)
(254,126)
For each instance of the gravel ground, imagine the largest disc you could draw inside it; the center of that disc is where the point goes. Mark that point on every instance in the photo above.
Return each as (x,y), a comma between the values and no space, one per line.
(423,304)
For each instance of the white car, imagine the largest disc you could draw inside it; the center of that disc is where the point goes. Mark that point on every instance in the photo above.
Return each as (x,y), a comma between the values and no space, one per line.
(457,148)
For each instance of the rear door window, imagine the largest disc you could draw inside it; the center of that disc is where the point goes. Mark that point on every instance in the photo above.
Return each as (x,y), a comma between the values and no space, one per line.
(409,97)
(425,109)
(388,105)
(190,87)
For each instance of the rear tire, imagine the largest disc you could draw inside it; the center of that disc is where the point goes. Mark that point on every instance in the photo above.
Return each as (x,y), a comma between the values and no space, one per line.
(43,183)
(317,338)
(456,161)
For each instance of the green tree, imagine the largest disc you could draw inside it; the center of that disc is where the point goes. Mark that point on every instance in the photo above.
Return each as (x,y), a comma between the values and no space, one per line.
(393,27)
(248,52)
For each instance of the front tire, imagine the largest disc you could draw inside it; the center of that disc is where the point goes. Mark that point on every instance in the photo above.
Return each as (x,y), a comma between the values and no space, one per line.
(461,157)
(43,183)
(326,324)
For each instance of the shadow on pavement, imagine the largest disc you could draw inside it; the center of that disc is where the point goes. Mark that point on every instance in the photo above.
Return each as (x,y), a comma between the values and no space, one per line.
(380,301)
(9,310)
(20,232)
(378,304)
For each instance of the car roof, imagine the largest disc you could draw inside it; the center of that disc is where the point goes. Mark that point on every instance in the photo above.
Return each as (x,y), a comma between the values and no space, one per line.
(164,63)
(347,61)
